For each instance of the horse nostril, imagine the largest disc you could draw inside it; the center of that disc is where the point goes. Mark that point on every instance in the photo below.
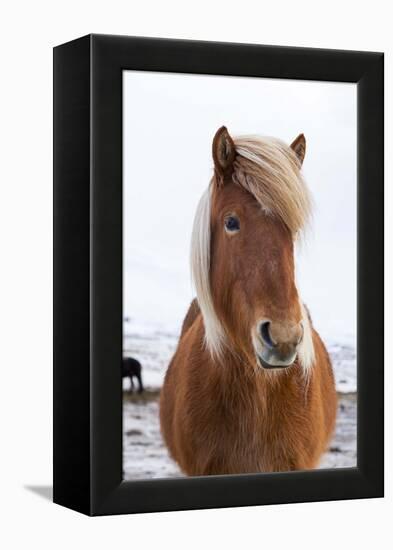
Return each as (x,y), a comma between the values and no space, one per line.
(265,333)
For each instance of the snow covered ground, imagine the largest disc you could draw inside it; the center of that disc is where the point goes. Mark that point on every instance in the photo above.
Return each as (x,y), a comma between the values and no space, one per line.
(144,454)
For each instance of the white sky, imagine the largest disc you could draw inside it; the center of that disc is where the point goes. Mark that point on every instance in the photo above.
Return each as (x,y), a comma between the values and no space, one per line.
(169,121)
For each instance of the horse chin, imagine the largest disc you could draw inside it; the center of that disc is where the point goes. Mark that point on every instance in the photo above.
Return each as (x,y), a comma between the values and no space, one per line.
(267,360)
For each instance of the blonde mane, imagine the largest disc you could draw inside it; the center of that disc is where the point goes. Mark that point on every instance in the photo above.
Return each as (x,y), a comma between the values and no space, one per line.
(269,170)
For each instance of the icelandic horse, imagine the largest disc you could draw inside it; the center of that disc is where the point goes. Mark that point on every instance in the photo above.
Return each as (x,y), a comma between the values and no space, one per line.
(250,387)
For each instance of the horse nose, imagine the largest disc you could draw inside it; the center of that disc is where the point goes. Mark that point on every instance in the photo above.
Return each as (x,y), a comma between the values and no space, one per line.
(280,341)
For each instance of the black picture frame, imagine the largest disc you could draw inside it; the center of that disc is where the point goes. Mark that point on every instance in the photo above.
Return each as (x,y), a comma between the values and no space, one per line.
(88,274)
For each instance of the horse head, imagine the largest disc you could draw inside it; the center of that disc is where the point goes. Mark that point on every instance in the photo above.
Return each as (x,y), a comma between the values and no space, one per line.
(243,251)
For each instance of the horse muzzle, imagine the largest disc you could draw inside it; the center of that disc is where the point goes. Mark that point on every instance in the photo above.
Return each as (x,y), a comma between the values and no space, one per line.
(277,344)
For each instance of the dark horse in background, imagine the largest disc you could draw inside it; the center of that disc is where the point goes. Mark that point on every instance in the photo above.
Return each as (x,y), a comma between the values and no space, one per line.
(132,368)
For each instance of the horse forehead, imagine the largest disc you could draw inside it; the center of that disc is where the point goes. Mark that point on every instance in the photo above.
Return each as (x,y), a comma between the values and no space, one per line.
(233,196)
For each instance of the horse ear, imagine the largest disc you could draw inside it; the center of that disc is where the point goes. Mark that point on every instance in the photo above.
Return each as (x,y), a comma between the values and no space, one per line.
(299,146)
(224,153)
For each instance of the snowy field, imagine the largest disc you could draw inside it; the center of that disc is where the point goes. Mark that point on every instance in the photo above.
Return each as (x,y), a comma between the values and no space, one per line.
(144,453)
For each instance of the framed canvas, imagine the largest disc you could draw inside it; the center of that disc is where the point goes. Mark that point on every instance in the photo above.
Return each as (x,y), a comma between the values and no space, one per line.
(261,382)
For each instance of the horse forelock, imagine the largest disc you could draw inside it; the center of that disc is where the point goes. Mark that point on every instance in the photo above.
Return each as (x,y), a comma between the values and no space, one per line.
(270,171)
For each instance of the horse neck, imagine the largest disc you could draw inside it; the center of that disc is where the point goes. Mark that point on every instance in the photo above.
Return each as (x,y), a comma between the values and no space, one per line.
(236,377)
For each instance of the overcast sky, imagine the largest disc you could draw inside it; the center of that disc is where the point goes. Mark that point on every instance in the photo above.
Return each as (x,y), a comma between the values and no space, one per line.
(169,122)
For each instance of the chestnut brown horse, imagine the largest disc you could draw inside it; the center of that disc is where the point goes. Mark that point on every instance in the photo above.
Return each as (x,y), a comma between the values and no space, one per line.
(250,387)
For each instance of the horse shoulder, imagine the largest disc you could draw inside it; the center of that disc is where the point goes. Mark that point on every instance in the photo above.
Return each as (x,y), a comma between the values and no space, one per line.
(192,314)
(178,391)
(324,376)
(327,389)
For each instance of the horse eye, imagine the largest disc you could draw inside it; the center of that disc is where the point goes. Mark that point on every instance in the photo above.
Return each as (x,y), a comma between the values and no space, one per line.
(232,224)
